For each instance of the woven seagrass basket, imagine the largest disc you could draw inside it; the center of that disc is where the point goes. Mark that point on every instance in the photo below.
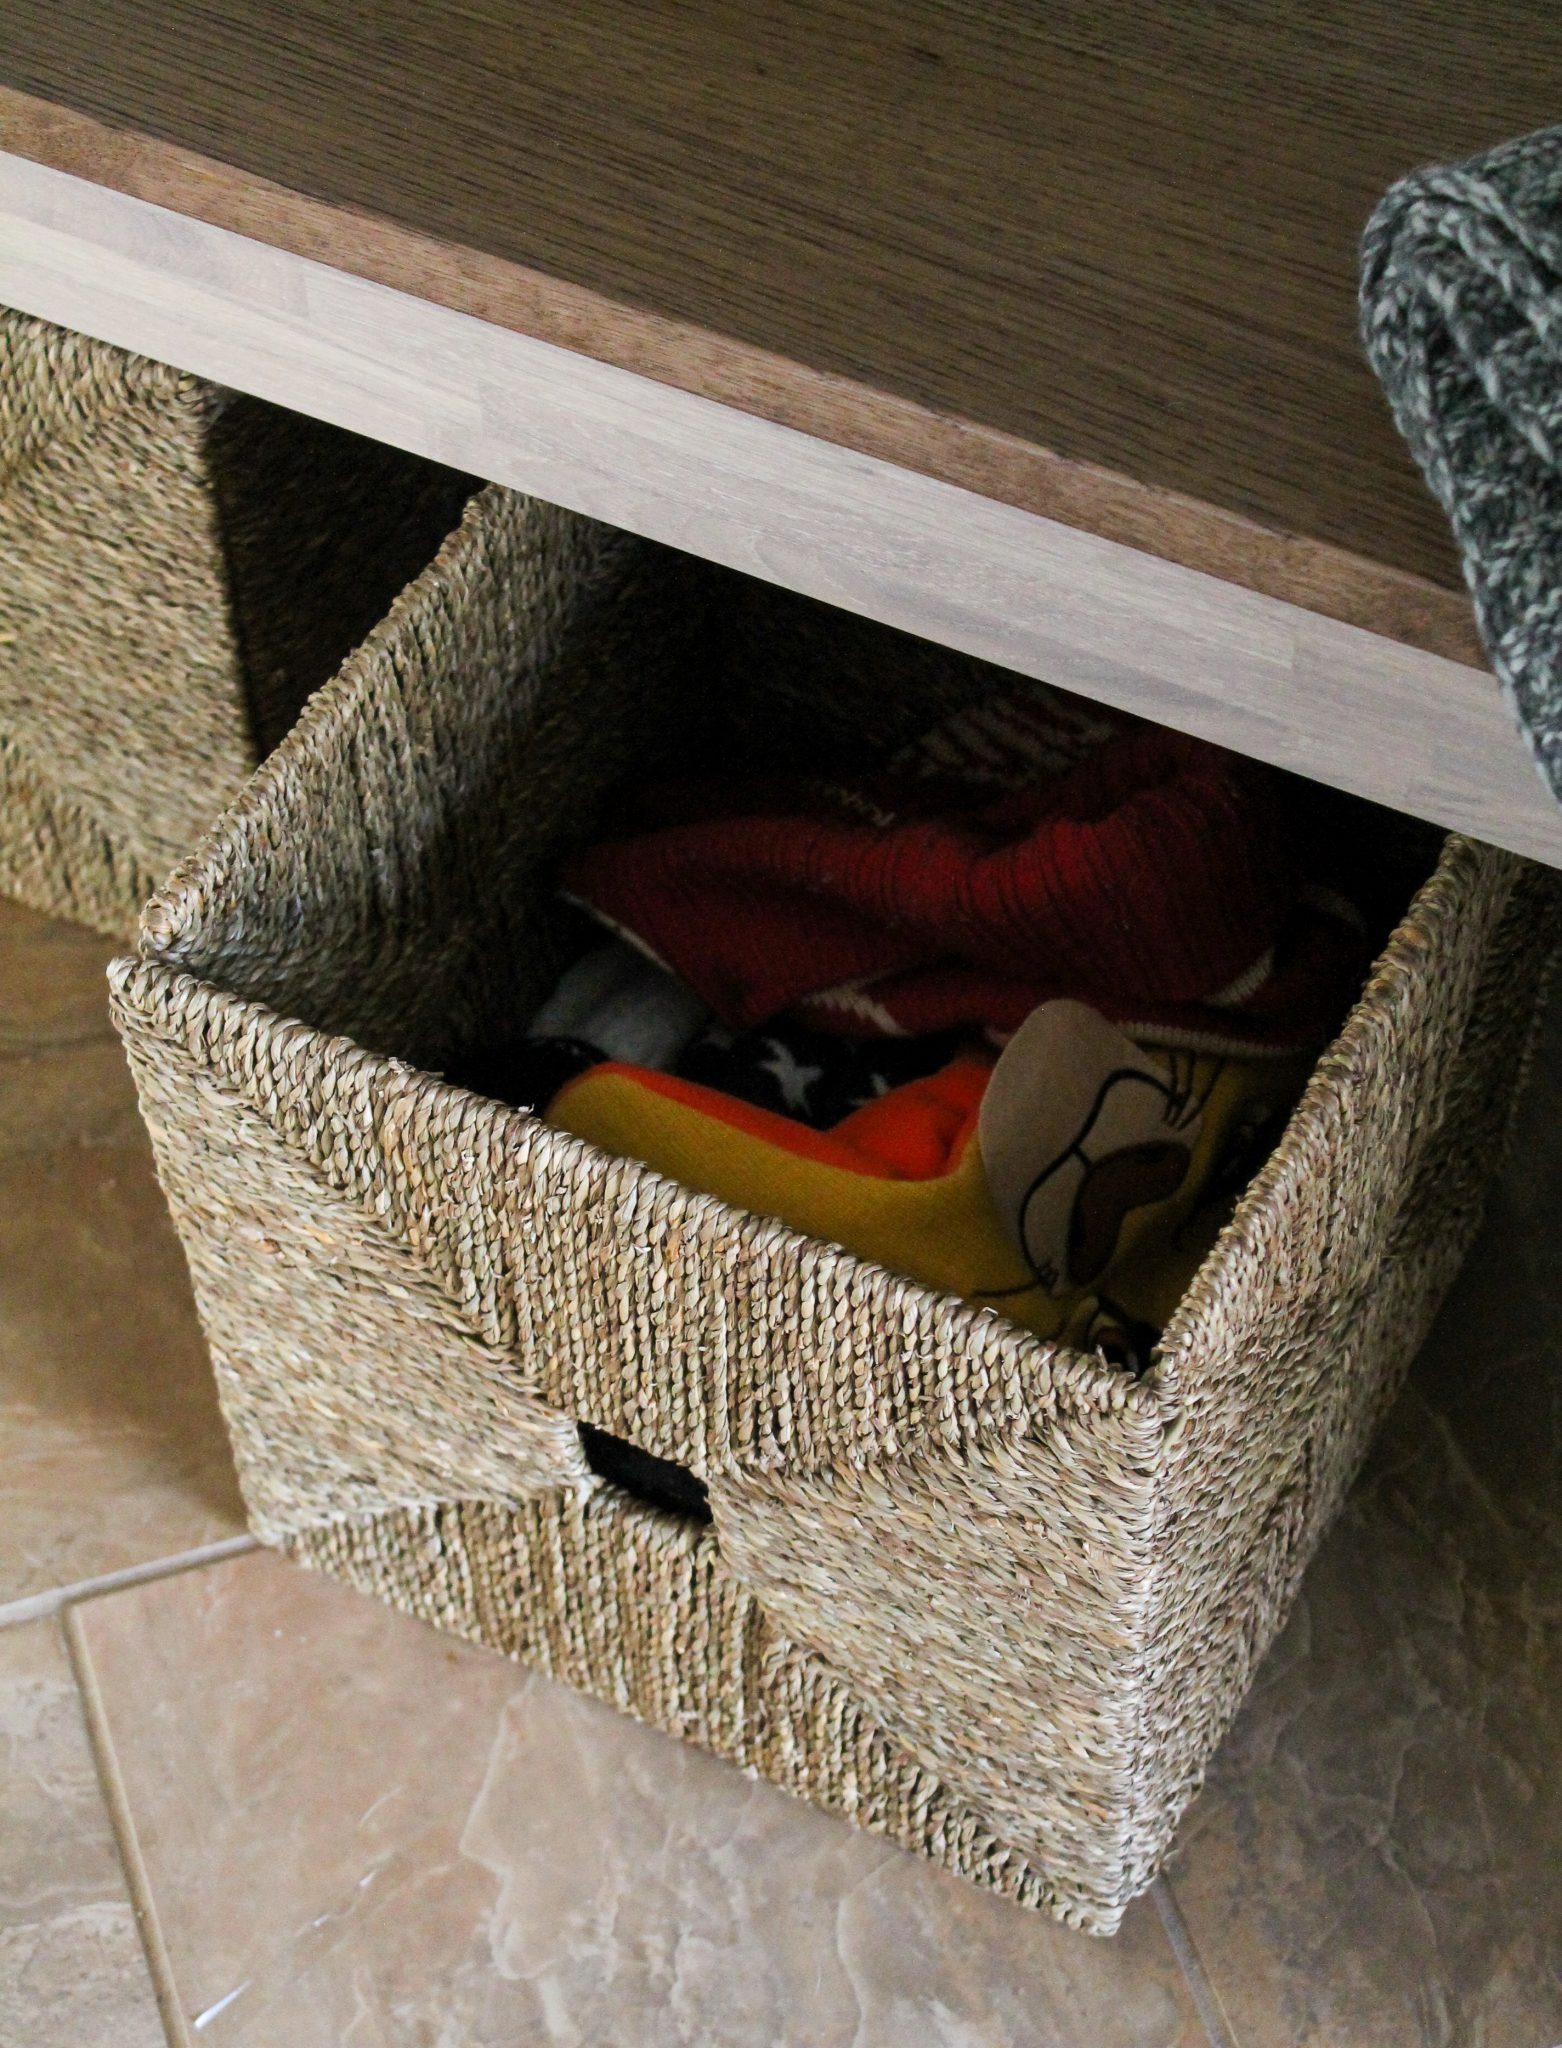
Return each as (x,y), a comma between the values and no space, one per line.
(179,568)
(989,1596)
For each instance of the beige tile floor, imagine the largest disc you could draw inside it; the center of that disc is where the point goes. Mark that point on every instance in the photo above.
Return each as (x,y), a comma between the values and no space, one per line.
(241,1805)
(112,1453)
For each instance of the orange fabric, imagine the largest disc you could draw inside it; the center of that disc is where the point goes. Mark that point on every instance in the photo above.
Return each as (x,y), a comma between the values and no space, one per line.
(903,1180)
(941,1228)
(916,1132)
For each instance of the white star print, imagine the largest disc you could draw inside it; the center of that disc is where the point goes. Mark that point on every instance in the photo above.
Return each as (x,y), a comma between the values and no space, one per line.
(793,1078)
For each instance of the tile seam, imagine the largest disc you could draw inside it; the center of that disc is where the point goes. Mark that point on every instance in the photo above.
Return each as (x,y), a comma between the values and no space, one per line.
(1212,2013)
(116,1799)
(55,1599)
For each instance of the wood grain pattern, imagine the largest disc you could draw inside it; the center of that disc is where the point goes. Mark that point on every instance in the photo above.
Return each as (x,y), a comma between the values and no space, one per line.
(1090,260)
(1303,571)
(1272,679)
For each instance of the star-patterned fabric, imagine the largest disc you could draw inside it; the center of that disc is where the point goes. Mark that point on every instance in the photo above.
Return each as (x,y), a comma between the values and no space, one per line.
(814,1076)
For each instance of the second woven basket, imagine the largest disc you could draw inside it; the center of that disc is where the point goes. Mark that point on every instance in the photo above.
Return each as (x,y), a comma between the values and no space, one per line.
(179,567)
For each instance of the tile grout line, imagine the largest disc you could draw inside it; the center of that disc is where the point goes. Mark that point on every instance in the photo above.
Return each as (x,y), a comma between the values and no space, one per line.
(115,1798)
(35,1606)
(1205,1997)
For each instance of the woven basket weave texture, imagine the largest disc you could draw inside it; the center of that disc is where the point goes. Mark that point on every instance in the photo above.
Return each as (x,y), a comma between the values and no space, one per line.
(179,568)
(990,1596)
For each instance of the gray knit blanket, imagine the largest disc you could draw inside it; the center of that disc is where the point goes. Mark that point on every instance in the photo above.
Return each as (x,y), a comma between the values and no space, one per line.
(1461,306)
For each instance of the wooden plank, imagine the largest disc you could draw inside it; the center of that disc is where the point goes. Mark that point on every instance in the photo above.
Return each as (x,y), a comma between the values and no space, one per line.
(1092,260)
(1276,680)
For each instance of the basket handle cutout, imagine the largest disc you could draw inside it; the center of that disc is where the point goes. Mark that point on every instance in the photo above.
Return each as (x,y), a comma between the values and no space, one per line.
(658,1482)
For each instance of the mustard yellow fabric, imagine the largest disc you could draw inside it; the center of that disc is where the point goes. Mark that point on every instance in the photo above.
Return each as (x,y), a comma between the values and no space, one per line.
(940,1225)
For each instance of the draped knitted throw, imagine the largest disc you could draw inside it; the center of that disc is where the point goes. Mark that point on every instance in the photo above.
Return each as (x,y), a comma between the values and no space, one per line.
(1461,298)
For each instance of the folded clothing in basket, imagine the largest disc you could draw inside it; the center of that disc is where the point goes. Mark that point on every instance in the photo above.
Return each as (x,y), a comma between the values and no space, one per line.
(1073,1183)
(1152,879)
(615,1004)
(1016,1018)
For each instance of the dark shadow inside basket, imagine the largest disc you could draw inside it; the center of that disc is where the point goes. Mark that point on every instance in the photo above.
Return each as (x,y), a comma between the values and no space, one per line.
(305,584)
